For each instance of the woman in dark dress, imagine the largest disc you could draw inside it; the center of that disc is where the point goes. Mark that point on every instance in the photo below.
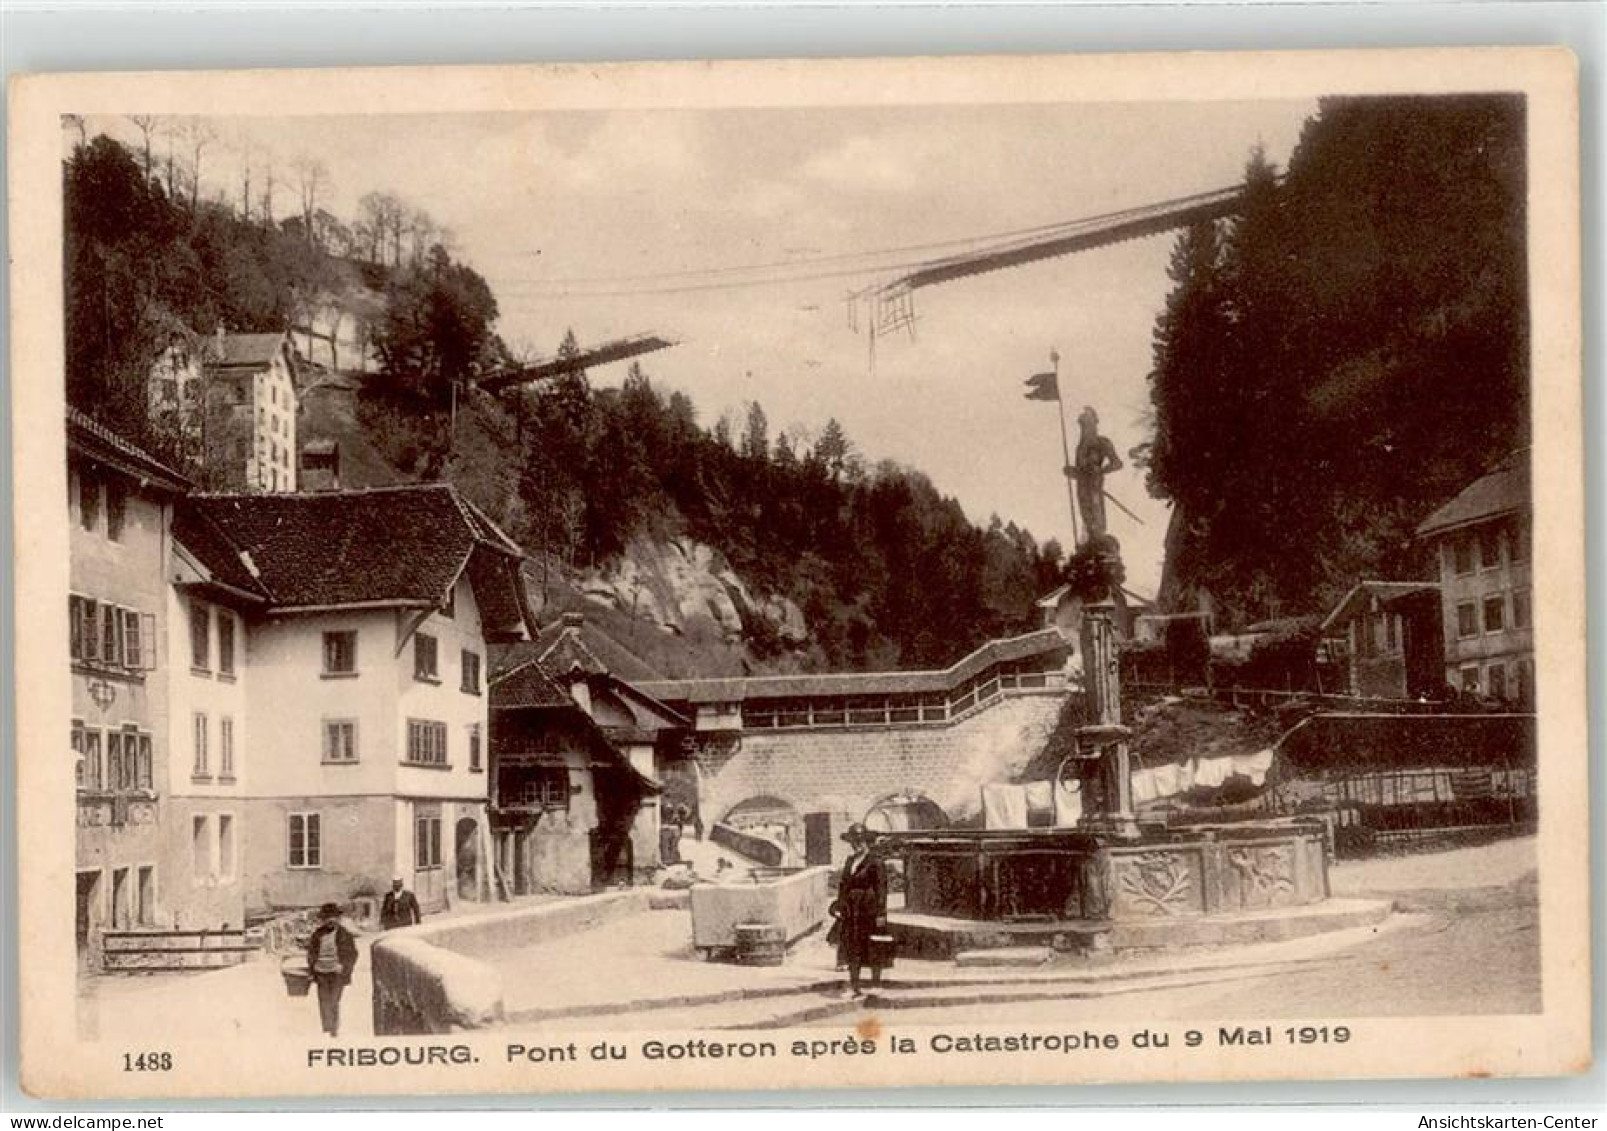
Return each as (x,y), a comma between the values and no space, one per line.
(861,907)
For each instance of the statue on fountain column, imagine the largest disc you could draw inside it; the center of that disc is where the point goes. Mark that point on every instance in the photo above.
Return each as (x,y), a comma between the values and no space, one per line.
(1096,458)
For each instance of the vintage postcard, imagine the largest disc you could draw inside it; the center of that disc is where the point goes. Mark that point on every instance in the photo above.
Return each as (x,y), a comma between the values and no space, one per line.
(800,574)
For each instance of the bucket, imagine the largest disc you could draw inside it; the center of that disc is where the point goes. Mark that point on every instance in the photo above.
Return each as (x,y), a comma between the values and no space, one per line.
(760,944)
(297,979)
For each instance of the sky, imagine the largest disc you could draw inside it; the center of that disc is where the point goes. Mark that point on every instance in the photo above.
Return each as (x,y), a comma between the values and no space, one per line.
(611,222)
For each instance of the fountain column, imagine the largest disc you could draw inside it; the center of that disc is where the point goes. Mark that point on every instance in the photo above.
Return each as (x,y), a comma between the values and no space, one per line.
(1103,742)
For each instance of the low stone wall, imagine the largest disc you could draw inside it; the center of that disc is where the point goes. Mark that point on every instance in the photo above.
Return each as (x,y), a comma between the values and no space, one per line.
(796,903)
(420,988)
(436,977)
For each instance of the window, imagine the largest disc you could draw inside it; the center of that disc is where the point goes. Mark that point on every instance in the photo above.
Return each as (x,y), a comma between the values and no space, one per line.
(225,642)
(226,748)
(546,787)
(1520,608)
(143,779)
(426,742)
(1490,546)
(226,846)
(474,748)
(94,767)
(200,847)
(471,672)
(111,635)
(1389,633)
(88,500)
(199,732)
(116,509)
(1467,619)
(1518,542)
(80,769)
(200,637)
(1498,681)
(305,838)
(1462,553)
(340,653)
(115,780)
(133,656)
(450,607)
(83,616)
(1495,613)
(427,841)
(1470,679)
(425,664)
(1525,680)
(340,740)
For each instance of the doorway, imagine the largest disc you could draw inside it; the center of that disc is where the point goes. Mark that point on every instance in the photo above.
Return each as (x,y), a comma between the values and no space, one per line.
(468,858)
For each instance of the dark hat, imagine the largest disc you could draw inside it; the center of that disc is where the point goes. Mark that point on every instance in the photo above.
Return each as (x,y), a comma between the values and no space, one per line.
(857,833)
(329,911)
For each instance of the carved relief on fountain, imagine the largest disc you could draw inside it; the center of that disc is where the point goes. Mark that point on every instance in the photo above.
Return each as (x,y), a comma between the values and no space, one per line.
(1158,884)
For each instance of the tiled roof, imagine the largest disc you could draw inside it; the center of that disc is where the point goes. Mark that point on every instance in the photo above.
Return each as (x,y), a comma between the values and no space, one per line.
(211,547)
(1502,490)
(1385,591)
(95,440)
(573,642)
(244,349)
(390,545)
(1046,643)
(528,686)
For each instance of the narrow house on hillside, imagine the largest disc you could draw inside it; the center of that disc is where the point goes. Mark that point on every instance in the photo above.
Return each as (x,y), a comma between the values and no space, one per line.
(1392,639)
(120,504)
(366,618)
(1480,541)
(249,424)
(562,708)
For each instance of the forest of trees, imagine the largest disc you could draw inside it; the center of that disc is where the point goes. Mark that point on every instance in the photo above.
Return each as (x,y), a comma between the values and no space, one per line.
(1344,355)
(888,572)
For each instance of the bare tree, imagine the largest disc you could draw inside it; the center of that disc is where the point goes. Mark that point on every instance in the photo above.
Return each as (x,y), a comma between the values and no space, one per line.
(268,183)
(198,134)
(146,124)
(312,181)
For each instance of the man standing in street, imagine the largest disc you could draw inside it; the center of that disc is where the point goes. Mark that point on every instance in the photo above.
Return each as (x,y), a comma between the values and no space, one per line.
(331,954)
(400,908)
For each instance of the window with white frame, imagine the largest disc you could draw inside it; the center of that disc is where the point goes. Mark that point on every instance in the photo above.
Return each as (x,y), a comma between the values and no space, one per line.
(426,742)
(426,661)
(226,748)
(225,643)
(1520,608)
(474,749)
(1495,613)
(1467,619)
(340,653)
(200,636)
(305,840)
(427,841)
(201,767)
(340,740)
(471,672)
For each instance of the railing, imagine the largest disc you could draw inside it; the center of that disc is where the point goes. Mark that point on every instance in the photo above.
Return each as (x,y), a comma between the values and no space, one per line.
(936,709)
(151,950)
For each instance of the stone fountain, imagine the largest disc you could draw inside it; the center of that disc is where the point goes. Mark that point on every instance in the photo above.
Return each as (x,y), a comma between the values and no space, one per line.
(1111,881)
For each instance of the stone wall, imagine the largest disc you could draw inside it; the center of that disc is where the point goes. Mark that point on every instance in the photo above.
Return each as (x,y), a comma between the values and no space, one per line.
(848,770)
(421,988)
(437,977)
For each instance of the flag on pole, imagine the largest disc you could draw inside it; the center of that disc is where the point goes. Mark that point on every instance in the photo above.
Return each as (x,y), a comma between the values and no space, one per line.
(1043,387)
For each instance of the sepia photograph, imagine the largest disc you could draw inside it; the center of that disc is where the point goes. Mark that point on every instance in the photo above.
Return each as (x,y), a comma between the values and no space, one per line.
(836,577)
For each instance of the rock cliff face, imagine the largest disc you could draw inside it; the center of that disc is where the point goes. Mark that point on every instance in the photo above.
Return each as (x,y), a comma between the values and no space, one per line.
(681,584)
